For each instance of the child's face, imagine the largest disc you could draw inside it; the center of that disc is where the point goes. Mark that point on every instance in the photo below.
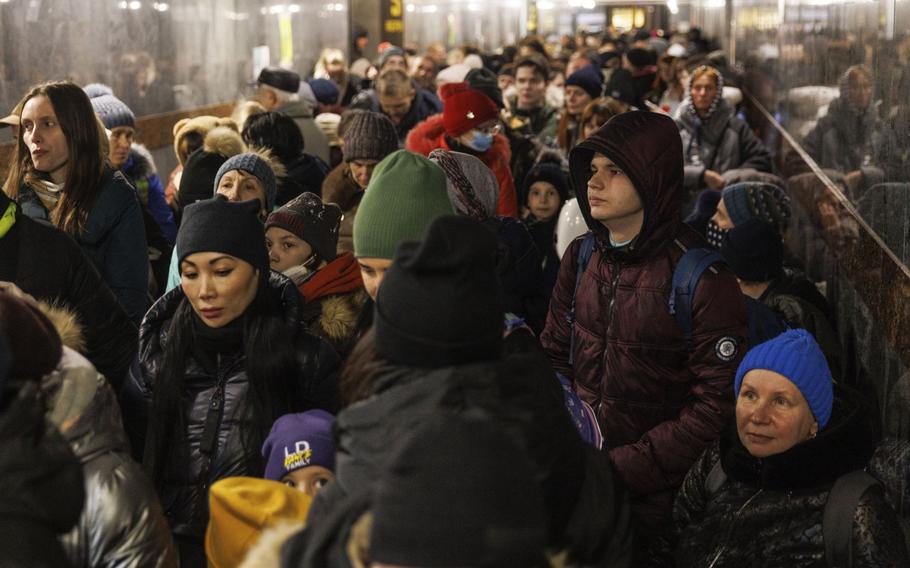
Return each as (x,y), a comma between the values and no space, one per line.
(543,200)
(286,250)
(308,479)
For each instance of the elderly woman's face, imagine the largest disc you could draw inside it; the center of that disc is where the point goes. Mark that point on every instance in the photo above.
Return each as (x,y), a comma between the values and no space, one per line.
(772,415)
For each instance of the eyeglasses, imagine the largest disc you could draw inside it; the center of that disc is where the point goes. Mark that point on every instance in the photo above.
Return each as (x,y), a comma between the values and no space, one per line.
(492,130)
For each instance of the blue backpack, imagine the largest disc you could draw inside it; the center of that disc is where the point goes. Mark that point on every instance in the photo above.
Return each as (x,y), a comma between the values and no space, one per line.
(764,323)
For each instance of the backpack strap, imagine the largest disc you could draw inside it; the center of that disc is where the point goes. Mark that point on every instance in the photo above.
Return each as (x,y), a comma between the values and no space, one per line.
(686,275)
(584,256)
(840,509)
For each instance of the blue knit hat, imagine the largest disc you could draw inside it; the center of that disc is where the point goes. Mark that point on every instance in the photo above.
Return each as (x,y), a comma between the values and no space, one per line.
(256,165)
(112,111)
(297,441)
(325,91)
(764,201)
(795,355)
(589,79)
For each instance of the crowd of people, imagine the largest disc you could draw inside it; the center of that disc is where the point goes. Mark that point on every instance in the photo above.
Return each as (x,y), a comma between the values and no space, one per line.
(340,332)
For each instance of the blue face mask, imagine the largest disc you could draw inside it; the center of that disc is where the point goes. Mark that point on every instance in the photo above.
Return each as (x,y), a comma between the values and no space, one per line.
(481,142)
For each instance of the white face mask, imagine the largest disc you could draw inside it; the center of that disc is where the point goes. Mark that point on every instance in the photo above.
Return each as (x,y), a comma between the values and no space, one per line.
(556,96)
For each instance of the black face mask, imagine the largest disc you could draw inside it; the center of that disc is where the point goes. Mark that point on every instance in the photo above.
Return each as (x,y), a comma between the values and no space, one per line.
(715,234)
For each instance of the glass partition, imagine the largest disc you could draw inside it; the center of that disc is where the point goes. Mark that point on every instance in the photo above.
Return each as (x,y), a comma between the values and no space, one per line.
(827,86)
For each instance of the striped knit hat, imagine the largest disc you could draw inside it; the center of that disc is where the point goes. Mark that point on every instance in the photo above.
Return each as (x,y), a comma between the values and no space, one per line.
(795,355)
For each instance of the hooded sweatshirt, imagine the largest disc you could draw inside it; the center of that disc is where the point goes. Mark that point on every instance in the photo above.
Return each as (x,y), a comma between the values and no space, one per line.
(659,402)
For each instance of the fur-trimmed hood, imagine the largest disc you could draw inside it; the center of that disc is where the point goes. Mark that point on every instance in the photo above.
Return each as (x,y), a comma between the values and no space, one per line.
(201,125)
(140,164)
(340,314)
(225,141)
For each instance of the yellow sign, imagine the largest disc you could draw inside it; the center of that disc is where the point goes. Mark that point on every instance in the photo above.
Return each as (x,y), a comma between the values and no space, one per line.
(285,40)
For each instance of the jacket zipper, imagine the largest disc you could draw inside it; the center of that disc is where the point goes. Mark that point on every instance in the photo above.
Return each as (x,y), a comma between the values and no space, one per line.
(216,405)
(731,526)
(613,286)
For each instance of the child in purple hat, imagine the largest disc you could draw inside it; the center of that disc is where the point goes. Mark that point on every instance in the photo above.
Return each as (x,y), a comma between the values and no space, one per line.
(300,451)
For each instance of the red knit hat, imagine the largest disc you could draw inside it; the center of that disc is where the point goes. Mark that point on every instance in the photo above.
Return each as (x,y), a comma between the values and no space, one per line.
(465,108)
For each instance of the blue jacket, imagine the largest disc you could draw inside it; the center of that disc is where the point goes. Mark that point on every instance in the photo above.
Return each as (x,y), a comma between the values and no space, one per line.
(140,170)
(113,239)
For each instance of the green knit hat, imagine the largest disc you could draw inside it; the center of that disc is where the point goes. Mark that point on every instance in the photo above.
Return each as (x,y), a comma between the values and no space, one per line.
(407,191)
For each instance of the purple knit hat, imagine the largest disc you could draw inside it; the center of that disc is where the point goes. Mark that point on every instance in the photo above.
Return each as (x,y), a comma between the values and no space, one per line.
(297,441)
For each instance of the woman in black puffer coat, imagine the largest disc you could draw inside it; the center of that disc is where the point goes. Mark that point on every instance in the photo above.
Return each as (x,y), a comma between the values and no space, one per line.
(766,507)
(222,357)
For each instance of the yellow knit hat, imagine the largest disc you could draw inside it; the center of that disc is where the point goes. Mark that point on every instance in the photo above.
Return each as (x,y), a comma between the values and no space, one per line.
(241,508)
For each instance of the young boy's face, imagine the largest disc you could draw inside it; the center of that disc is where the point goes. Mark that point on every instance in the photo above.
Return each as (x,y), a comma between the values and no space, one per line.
(543,200)
(286,250)
(308,479)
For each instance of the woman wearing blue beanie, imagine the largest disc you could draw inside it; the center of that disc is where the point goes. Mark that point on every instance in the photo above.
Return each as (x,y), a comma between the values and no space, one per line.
(758,496)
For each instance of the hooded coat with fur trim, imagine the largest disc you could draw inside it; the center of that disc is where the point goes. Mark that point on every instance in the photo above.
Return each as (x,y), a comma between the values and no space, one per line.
(786,495)
(430,135)
(121,521)
(659,401)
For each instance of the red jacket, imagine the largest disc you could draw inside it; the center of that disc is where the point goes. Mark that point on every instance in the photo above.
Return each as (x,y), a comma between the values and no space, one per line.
(659,403)
(430,135)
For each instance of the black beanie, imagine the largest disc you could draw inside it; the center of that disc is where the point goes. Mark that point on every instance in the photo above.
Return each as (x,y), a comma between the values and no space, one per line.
(440,302)
(218,225)
(754,251)
(458,492)
(198,176)
(486,82)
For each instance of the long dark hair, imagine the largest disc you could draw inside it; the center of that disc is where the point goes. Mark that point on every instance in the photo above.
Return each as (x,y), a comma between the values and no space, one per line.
(85,162)
(270,361)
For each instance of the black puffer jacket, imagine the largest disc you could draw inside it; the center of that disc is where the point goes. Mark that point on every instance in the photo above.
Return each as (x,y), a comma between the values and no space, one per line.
(769,511)
(46,263)
(587,506)
(183,492)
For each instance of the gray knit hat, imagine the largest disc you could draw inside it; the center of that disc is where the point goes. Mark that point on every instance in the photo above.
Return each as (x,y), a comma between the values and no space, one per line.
(252,164)
(112,111)
(471,185)
(369,136)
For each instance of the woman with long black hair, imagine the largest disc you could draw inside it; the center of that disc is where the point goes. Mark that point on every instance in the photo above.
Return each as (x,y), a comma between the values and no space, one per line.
(61,174)
(223,356)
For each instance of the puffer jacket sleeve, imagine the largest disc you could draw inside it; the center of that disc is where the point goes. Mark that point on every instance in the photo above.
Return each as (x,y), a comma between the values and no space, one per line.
(660,459)
(122,524)
(877,536)
(751,150)
(557,334)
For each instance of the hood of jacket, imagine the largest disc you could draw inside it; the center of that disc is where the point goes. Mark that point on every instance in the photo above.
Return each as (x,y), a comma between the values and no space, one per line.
(139,164)
(647,147)
(83,407)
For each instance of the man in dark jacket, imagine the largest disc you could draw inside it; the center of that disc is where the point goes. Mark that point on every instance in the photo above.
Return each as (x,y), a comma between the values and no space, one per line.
(397,97)
(45,263)
(659,399)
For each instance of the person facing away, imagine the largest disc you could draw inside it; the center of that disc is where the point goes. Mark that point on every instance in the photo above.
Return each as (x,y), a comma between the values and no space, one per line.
(660,400)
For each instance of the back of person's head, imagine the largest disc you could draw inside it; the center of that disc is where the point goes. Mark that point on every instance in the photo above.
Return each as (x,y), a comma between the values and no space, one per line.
(458,492)
(368,136)
(602,109)
(112,111)
(393,83)
(535,44)
(440,303)
(754,251)
(764,201)
(407,191)
(276,131)
(472,186)
(32,340)
(202,165)
(86,153)
(189,133)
